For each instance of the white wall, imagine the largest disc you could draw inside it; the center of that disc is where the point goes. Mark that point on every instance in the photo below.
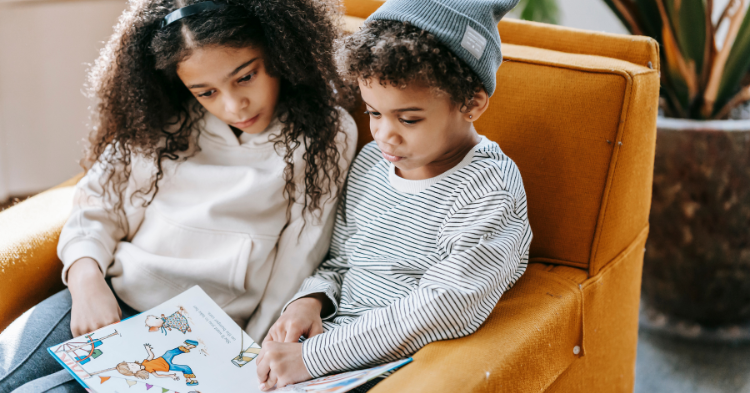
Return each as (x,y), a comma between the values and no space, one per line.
(44,51)
(589,15)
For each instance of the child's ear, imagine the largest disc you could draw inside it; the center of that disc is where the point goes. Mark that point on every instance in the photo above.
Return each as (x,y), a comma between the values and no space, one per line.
(480,103)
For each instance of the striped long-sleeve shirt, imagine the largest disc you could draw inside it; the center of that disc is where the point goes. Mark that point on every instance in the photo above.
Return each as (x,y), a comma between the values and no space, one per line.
(412,262)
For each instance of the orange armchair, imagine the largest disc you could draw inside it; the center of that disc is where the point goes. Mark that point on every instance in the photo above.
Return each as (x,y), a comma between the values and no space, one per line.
(577,112)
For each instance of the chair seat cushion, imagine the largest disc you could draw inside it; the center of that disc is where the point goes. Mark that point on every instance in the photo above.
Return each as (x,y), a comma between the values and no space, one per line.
(525,344)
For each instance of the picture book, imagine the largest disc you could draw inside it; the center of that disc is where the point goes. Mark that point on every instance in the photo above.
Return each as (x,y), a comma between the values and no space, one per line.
(187,344)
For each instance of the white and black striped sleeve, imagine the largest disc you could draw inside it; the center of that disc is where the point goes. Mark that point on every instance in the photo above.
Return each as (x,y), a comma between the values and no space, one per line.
(485,240)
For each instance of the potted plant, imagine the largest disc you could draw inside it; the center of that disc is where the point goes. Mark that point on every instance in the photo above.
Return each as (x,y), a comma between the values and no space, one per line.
(696,279)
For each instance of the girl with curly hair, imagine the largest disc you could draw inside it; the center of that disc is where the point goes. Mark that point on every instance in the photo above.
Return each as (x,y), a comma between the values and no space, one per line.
(218,149)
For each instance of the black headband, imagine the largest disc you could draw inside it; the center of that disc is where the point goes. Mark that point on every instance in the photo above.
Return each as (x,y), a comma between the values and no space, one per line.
(190,10)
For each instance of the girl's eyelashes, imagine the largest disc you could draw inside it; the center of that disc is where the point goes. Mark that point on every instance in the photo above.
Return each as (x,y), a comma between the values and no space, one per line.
(247,77)
(244,79)
(373,114)
(207,94)
(410,122)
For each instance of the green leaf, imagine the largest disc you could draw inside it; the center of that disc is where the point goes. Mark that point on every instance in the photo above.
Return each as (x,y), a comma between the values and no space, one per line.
(691,31)
(650,18)
(737,65)
(646,16)
(540,11)
(688,21)
(675,86)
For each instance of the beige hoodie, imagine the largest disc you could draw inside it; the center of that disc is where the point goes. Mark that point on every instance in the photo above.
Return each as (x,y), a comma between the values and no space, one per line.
(216,222)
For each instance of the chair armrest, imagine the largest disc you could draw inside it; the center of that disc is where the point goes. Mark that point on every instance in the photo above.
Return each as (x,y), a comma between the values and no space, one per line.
(525,344)
(29,267)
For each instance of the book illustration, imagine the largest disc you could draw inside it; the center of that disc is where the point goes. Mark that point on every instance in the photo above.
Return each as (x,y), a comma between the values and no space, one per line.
(133,385)
(178,321)
(83,351)
(204,348)
(160,366)
(246,355)
(113,360)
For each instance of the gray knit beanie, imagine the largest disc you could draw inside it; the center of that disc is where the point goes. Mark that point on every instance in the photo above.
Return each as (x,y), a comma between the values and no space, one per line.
(467,27)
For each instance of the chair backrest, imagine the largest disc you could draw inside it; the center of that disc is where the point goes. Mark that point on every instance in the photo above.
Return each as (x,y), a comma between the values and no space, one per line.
(577,113)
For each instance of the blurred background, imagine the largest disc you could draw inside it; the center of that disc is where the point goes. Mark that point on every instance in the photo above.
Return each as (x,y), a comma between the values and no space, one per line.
(45,49)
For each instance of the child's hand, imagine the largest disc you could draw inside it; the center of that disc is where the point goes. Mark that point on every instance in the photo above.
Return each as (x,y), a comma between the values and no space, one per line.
(281,364)
(94,304)
(301,318)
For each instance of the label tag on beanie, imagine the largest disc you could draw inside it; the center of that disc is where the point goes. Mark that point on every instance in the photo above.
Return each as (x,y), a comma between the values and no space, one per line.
(474,42)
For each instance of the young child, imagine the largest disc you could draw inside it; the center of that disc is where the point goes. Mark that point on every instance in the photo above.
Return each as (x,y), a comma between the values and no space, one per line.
(433,228)
(216,159)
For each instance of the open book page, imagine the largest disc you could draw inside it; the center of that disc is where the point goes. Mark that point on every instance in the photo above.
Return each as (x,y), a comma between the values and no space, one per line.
(186,344)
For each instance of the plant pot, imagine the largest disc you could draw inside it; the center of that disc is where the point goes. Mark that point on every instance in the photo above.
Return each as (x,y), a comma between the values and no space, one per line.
(697,261)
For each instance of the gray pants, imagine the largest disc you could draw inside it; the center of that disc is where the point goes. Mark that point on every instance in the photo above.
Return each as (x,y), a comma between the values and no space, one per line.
(25,364)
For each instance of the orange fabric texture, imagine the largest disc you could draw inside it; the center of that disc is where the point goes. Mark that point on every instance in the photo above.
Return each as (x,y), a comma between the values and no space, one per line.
(638,50)
(577,111)
(628,196)
(610,327)
(29,267)
(525,344)
(361,8)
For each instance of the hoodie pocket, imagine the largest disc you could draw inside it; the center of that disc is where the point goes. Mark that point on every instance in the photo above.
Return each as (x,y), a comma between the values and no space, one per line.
(165,258)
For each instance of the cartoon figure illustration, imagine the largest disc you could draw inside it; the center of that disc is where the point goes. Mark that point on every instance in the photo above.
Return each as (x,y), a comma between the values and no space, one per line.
(178,321)
(154,366)
(82,352)
(246,355)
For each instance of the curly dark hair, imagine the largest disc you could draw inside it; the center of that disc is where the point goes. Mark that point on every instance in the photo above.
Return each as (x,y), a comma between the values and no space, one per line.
(144,108)
(398,53)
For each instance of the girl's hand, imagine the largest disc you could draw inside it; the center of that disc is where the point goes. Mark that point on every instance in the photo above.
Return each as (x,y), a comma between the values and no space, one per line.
(94,304)
(280,364)
(301,318)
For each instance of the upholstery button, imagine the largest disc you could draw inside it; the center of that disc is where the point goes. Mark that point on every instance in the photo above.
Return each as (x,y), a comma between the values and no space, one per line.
(576,350)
